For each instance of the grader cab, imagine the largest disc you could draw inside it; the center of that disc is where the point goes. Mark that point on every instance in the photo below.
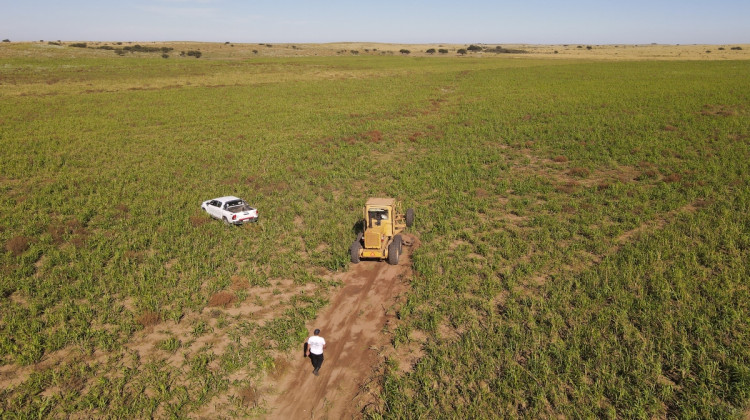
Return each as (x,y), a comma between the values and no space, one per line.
(383,223)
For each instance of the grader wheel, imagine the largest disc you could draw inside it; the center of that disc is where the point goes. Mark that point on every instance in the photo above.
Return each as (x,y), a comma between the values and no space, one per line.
(393,252)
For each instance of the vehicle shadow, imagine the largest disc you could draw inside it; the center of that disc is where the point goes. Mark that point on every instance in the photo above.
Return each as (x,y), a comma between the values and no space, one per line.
(359,227)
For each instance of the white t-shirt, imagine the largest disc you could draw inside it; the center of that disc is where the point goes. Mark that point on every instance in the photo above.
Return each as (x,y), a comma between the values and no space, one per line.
(315,344)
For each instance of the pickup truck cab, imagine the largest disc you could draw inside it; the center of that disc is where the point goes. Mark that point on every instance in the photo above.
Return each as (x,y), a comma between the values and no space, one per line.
(231,210)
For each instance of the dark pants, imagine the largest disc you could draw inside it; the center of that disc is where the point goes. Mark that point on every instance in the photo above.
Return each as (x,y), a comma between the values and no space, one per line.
(317,360)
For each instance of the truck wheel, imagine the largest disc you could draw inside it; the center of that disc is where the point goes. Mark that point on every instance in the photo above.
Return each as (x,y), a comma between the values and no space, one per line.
(393,253)
(354,251)
(226,222)
(409,217)
(400,243)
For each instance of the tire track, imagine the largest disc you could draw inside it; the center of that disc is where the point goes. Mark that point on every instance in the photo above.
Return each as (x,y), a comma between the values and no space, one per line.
(352,326)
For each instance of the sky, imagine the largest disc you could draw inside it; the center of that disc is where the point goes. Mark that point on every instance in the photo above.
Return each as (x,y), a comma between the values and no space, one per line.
(406,21)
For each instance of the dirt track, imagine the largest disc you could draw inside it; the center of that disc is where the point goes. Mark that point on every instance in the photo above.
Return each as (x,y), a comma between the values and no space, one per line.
(352,327)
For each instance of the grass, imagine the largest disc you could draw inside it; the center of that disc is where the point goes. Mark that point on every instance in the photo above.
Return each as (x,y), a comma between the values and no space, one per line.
(584,231)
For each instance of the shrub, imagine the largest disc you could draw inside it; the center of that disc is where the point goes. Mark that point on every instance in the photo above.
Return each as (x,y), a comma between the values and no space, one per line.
(404,51)
(474,48)
(430,51)
(165,55)
(78,45)
(736,48)
(141,48)
(249,396)
(6,40)
(239,283)
(461,51)
(501,50)
(198,220)
(221,299)
(194,53)
(579,172)
(148,318)
(443,51)
(588,47)
(17,245)
(672,178)
(374,136)
(54,43)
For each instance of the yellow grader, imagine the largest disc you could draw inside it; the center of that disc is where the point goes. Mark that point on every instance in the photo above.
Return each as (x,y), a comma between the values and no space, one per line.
(383,224)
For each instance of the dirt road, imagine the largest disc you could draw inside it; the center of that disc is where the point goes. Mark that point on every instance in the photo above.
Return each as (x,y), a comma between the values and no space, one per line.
(351,326)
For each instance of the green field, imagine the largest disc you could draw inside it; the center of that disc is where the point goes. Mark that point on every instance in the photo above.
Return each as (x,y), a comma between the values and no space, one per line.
(584,228)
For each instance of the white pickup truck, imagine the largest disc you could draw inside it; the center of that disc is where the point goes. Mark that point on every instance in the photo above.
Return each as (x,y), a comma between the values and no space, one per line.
(231,210)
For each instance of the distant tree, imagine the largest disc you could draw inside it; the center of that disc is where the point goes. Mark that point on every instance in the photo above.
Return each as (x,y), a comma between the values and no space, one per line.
(404,51)
(461,51)
(6,40)
(430,51)
(443,51)
(474,48)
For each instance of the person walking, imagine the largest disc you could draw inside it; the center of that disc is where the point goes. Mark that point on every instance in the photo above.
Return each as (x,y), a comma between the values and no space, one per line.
(315,346)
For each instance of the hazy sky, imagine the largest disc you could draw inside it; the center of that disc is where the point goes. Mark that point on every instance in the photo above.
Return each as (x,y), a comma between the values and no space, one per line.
(406,21)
